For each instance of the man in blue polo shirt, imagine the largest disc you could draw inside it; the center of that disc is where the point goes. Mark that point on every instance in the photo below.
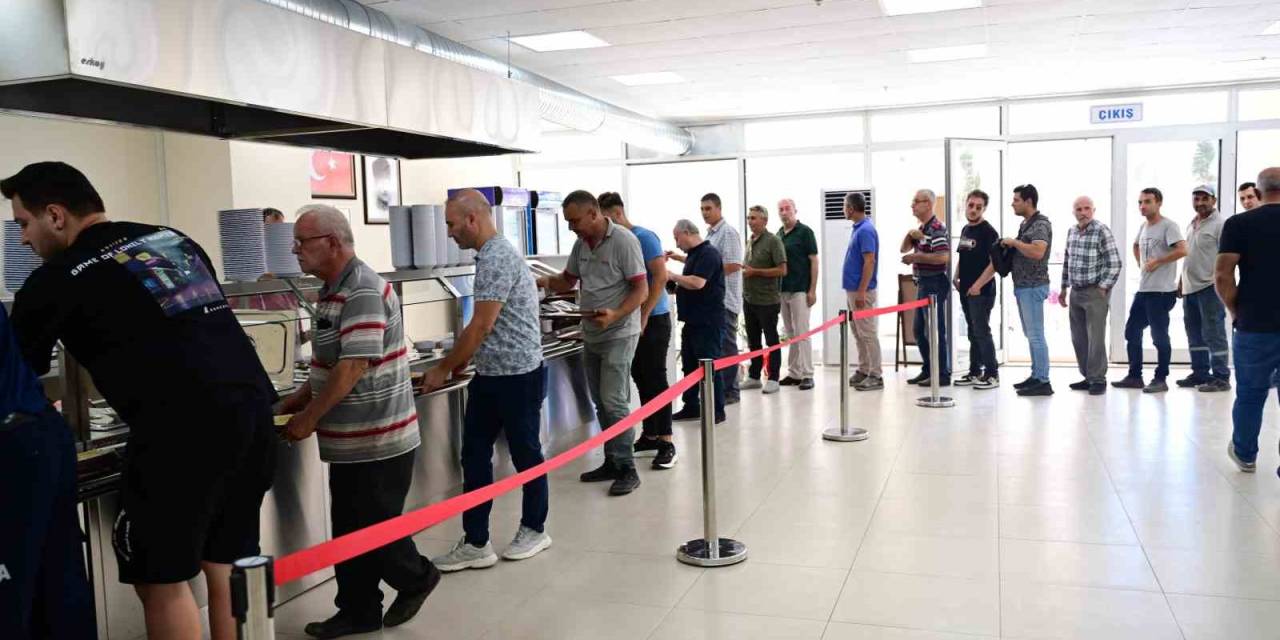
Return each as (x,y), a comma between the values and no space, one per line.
(861,261)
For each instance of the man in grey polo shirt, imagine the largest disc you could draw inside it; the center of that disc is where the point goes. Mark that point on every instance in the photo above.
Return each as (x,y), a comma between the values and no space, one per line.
(607,259)
(1203,314)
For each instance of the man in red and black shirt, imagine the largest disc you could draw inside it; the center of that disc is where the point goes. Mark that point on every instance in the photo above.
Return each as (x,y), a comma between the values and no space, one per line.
(928,251)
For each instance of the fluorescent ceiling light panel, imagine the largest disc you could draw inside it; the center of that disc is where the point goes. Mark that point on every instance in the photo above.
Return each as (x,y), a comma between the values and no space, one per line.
(941,54)
(1273,30)
(642,79)
(906,7)
(562,41)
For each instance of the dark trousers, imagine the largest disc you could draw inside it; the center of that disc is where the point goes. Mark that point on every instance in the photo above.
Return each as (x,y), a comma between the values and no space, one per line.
(512,406)
(763,319)
(1149,309)
(46,593)
(363,494)
(649,371)
(1204,317)
(729,347)
(982,345)
(698,341)
(939,286)
(1257,364)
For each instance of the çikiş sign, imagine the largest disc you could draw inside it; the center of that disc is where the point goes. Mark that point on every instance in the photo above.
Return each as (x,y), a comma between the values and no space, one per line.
(1107,114)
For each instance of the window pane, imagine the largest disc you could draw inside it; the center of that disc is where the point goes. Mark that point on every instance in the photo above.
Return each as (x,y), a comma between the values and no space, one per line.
(896,176)
(1160,110)
(803,132)
(661,194)
(1260,105)
(935,124)
(1255,150)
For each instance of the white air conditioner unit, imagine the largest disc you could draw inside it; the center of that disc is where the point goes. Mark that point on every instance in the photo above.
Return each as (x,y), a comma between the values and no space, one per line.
(835,241)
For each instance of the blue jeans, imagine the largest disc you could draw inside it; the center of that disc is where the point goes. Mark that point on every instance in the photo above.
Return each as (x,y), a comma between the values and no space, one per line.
(1149,309)
(1031,314)
(939,286)
(1205,317)
(511,406)
(1257,360)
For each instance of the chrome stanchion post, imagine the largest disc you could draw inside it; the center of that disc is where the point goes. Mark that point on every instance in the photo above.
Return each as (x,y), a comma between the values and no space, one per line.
(711,550)
(253,593)
(842,432)
(934,400)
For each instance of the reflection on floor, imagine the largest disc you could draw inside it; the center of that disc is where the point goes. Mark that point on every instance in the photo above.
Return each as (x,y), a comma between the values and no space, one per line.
(1063,517)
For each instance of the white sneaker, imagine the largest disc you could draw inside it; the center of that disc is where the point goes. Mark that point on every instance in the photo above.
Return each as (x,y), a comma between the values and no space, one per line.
(771,387)
(750,383)
(466,556)
(527,544)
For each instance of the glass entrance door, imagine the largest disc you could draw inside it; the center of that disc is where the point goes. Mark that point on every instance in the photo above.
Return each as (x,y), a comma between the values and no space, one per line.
(972,164)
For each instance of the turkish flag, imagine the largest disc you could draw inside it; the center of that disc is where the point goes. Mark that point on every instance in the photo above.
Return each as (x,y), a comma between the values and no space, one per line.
(332,174)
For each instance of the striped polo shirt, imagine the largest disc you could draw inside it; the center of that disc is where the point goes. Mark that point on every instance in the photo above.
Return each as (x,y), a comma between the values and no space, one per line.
(935,240)
(360,318)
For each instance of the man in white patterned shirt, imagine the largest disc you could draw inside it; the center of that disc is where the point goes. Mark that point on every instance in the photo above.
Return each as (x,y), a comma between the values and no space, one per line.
(359,403)
(1091,267)
(505,396)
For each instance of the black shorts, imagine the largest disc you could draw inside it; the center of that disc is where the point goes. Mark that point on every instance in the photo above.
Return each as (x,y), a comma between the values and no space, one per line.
(193,492)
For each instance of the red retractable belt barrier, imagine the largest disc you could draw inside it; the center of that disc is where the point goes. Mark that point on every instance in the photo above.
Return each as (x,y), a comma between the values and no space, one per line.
(342,548)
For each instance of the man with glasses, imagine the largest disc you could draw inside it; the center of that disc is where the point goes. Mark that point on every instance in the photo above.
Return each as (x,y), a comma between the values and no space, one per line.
(928,251)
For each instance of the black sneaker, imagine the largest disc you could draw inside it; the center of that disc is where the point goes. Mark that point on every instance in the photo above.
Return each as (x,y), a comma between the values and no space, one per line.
(789,381)
(857,378)
(685,414)
(1193,380)
(1097,388)
(408,603)
(806,384)
(1083,385)
(1029,382)
(942,382)
(340,625)
(987,382)
(733,400)
(602,473)
(1042,389)
(923,375)
(1129,382)
(646,447)
(666,456)
(968,380)
(626,481)
(1215,385)
(1158,385)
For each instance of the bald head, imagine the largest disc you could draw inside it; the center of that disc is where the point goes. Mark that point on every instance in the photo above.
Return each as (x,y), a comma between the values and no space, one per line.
(469,219)
(1083,210)
(1269,185)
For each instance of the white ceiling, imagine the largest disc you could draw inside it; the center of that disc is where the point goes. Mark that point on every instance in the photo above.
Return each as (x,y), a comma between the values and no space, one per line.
(763,57)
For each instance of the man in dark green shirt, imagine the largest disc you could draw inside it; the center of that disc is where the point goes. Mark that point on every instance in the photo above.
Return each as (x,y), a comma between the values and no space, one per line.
(799,292)
(763,270)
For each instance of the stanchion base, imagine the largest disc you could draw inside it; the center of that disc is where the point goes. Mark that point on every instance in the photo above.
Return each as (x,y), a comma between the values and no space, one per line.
(855,434)
(694,552)
(941,402)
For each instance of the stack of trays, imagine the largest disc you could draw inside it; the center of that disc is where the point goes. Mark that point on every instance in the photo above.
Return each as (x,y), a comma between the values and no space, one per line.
(279,243)
(423,223)
(244,252)
(401,237)
(19,259)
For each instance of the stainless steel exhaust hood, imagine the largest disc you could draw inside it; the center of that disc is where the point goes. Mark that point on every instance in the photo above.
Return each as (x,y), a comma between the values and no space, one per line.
(242,69)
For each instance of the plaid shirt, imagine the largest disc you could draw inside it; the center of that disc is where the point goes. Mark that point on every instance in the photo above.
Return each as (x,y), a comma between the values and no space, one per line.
(1092,257)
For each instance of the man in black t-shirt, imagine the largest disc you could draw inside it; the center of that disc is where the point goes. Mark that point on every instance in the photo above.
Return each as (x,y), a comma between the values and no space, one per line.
(700,305)
(974,248)
(140,308)
(1249,242)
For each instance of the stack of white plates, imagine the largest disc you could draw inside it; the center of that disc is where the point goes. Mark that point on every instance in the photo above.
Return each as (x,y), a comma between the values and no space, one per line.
(401,238)
(280,258)
(244,251)
(423,223)
(19,259)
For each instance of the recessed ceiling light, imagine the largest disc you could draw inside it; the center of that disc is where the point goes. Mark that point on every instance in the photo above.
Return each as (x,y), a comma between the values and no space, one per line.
(641,79)
(561,41)
(905,7)
(940,54)
(1273,30)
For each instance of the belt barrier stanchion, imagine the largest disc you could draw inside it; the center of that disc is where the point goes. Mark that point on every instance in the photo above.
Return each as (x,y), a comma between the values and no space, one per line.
(711,550)
(253,593)
(933,400)
(842,432)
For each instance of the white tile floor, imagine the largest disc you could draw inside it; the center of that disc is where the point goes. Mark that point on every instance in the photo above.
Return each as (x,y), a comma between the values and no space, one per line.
(1063,517)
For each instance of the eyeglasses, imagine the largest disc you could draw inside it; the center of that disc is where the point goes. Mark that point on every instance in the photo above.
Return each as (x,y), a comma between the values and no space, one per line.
(297,242)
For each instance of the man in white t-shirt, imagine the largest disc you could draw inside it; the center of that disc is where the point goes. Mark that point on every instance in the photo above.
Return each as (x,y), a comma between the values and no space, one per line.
(1158,248)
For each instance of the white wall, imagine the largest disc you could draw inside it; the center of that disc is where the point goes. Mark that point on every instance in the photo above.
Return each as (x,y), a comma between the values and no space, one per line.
(197,174)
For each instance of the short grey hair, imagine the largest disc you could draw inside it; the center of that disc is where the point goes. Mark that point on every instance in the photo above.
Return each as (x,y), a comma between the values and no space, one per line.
(683,225)
(759,210)
(933,197)
(330,220)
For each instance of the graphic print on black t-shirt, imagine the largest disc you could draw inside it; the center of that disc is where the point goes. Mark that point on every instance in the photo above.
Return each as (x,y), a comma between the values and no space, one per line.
(171,270)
